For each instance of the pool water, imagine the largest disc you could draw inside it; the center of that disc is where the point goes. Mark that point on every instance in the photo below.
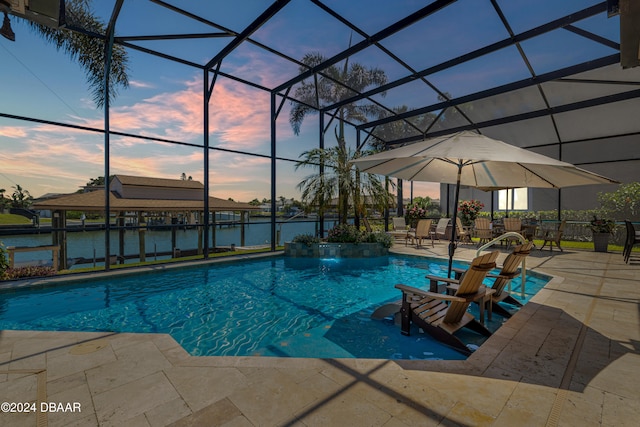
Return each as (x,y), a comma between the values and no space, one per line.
(286,307)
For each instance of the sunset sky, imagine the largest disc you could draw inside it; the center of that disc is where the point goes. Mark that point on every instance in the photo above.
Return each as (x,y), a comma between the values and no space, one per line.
(164,99)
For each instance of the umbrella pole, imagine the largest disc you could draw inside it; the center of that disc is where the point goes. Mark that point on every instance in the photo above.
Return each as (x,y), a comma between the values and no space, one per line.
(452,243)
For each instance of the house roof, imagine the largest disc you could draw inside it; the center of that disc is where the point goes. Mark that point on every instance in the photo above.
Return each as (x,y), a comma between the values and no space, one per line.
(144,181)
(94,201)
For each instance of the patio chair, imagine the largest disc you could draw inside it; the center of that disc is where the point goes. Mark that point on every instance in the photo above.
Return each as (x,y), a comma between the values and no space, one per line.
(633,238)
(441,229)
(510,270)
(400,230)
(422,231)
(462,235)
(553,236)
(441,315)
(512,224)
(482,230)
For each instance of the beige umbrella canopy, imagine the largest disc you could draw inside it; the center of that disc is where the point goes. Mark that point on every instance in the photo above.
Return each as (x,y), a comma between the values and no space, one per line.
(483,163)
(471,159)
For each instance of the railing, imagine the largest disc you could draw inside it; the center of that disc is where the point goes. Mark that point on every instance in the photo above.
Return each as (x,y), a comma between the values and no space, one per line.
(279,231)
(524,260)
(55,250)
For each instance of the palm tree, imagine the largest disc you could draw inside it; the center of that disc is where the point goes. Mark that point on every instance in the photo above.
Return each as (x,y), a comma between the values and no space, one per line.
(21,197)
(333,85)
(339,176)
(88,50)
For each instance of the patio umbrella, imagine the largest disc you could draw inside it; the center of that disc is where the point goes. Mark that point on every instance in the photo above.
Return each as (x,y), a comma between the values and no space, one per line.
(471,159)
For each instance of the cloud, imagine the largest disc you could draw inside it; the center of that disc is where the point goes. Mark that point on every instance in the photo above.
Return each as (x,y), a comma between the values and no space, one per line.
(141,85)
(59,159)
(12,132)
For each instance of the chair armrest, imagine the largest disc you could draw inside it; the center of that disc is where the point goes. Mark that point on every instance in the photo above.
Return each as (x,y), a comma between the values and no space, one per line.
(505,276)
(410,290)
(441,279)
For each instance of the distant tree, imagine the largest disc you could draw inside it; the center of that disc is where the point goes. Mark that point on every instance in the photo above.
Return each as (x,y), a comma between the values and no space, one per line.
(4,202)
(255,202)
(88,50)
(184,177)
(95,183)
(21,197)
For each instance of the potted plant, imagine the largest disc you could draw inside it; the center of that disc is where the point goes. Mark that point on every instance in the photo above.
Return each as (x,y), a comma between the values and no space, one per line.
(468,211)
(601,229)
(414,214)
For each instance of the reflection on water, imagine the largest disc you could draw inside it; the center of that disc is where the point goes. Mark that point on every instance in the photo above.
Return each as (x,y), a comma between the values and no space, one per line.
(90,244)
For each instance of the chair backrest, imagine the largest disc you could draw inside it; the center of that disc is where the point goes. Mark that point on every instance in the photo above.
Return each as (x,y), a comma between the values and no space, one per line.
(423,228)
(472,278)
(399,223)
(482,223)
(441,226)
(469,285)
(512,224)
(510,266)
(482,228)
(561,226)
(631,232)
(459,225)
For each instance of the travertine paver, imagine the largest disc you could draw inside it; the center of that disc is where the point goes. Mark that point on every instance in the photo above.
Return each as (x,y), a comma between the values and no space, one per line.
(570,357)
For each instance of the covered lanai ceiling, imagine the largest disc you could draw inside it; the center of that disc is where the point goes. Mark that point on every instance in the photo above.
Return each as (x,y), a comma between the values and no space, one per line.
(543,75)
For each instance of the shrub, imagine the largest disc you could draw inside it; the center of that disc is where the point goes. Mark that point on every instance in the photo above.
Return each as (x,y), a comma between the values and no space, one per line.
(28,271)
(379,237)
(306,239)
(624,203)
(4,262)
(344,233)
(469,210)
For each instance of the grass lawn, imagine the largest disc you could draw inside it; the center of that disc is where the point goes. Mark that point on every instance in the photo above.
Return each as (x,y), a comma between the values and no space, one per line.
(11,219)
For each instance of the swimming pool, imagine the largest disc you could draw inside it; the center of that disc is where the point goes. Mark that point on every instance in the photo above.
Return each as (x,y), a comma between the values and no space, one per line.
(268,307)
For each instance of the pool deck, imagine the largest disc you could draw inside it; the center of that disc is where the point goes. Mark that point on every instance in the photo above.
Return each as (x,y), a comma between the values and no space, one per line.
(569,357)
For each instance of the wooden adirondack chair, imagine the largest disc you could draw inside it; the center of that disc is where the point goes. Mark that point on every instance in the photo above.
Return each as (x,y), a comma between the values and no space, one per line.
(441,315)
(509,271)
(553,236)
(482,230)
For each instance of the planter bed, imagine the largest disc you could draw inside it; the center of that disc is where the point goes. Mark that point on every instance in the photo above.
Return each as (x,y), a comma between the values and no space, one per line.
(335,250)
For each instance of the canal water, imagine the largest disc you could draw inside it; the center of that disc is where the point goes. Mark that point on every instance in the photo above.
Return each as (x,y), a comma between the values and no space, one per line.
(88,245)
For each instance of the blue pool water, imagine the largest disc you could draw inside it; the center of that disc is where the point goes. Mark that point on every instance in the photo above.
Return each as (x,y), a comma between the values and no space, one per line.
(270,307)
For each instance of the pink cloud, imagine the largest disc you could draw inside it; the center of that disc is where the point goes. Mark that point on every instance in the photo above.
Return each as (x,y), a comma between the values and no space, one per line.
(13,132)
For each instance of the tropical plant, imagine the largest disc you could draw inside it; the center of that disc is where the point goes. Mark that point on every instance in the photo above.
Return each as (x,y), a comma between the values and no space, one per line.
(339,179)
(332,85)
(344,233)
(87,48)
(21,197)
(379,237)
(307,239)
(601,225)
